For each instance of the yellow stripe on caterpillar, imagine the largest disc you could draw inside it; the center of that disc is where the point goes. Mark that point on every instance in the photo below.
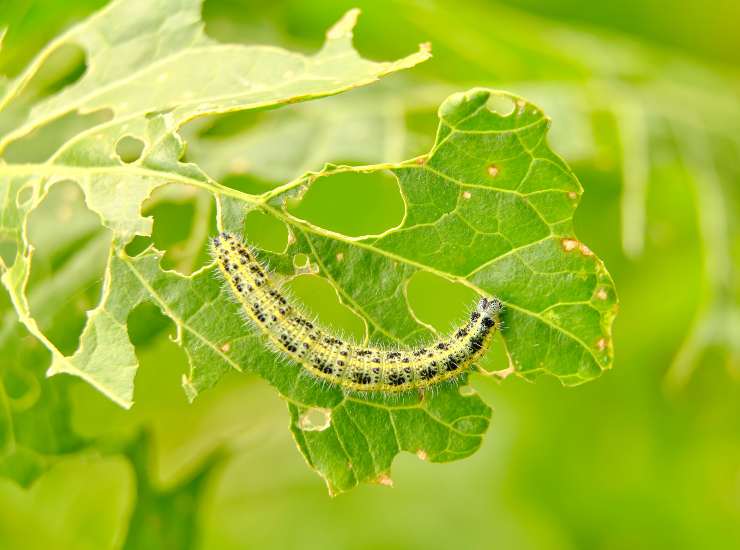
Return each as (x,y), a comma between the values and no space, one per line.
(343,363)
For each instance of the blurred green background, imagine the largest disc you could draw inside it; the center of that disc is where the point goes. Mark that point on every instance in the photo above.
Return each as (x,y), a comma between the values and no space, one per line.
(644,101)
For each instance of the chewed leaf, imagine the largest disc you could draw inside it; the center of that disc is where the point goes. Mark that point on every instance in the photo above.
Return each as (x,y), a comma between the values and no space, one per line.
(153,69)
(489,207)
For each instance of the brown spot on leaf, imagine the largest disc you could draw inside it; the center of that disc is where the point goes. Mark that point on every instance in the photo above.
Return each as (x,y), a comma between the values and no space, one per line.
(574,244)
(384,479)
(569,244)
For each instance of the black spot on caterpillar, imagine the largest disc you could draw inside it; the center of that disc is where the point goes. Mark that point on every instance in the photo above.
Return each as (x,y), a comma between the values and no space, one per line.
(334,360)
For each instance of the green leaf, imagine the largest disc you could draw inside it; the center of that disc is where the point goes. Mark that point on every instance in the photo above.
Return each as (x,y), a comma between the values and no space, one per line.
(489,207)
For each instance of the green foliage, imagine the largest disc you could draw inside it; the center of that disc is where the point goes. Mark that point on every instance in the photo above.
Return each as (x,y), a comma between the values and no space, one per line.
(73,492)
(652,447)
(489,207)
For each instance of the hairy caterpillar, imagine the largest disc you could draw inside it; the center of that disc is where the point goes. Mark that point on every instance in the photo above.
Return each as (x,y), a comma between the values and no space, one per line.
(339,362)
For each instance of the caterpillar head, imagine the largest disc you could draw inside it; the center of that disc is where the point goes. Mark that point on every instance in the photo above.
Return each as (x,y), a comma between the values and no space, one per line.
(490,307)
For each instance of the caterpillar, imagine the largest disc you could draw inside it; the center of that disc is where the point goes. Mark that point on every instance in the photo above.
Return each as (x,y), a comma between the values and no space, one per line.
(340,362)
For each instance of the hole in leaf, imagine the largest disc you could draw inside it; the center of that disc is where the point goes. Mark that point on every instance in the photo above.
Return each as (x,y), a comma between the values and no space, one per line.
(496,359)
(162,364)
(302,265)
(300,261)
(500,104)
(265,231)
(129,149)
(184,219)
(353,204)
(219,126)
(61,223)
(65,66)
(437,301)
(68,265)
(315,419)
(320,299)
(145,322)
(138,245)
